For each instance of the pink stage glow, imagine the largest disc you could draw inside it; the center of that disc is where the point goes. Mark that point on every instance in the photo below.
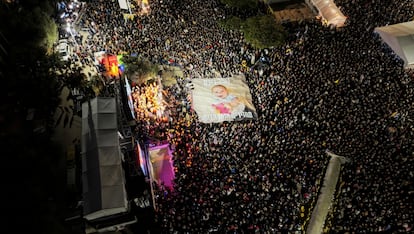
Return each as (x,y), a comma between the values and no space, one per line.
(162,169)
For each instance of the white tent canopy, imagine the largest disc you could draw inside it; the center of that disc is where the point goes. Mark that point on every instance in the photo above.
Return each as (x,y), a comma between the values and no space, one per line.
(103,178)
(400,37)
(330,12)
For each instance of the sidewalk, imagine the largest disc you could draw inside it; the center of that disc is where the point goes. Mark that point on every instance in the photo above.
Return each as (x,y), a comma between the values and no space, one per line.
(323,205)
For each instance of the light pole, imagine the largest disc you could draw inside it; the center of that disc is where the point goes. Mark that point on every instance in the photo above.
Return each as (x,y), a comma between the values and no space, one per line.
(69,30)
(129,7)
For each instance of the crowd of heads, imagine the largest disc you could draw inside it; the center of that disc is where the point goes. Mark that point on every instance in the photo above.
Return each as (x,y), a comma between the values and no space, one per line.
(341,90)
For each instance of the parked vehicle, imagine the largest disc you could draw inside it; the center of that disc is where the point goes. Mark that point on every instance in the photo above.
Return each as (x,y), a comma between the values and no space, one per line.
(63,49)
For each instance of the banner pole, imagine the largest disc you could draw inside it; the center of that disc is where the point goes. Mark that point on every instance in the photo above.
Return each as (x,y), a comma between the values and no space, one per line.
(150,176)
(129,7)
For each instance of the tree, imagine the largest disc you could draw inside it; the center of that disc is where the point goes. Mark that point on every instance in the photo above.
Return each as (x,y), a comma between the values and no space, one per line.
(29,28)
(232,23)
(260,31)
(241,4)
(138,69)
(263,32)
(35,177)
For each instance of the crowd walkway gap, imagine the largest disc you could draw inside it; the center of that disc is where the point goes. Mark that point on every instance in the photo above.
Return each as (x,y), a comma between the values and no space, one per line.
(324,201)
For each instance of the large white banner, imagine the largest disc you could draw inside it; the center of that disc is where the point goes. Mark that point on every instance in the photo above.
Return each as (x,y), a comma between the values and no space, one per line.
(123,4)
(222,99)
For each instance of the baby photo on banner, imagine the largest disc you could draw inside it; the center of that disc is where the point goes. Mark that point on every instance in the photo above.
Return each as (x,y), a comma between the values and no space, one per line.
(222,99)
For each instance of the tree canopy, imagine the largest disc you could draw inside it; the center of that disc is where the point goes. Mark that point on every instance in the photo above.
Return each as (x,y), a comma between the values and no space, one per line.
(260,31)
(263,32)
(139,69)
(36,180)
(242,4)
(28,27)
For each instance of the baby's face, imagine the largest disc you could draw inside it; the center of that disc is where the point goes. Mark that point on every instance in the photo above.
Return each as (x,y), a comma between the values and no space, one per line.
(219,92)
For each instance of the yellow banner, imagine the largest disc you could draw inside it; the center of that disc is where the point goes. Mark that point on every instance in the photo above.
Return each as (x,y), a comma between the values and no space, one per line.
(129,16)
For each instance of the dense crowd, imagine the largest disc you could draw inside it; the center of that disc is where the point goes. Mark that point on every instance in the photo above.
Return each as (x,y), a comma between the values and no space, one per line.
(336,89)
